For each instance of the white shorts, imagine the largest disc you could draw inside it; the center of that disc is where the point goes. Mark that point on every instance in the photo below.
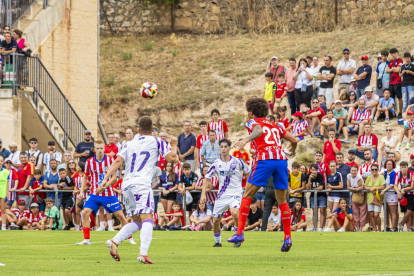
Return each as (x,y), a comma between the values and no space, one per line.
(138,199)
(333,198)
(226,202)
(391,198)
(375,208)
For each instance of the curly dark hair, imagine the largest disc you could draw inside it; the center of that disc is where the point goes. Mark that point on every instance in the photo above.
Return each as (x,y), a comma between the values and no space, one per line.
(257,106)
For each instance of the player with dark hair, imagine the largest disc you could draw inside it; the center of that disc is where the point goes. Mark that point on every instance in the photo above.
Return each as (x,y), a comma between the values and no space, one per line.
(270,160)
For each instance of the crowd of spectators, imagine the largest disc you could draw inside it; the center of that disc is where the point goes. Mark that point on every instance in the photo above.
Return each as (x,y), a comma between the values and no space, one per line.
(318,110)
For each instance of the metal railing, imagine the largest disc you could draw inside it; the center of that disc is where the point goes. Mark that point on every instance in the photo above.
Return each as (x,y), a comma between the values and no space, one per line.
(19,71)
(12,10)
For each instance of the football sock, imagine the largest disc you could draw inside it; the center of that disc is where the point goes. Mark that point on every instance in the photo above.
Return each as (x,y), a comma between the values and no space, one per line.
(86,233)
(110,223)
(102,224)
(76,227)
(235,229)
(285,216)
(126,232)
(130,238)
(217,237)
(146,236)
(243,213)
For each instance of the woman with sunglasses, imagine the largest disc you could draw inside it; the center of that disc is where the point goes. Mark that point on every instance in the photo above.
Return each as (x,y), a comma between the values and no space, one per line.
(388,144)
(373,183)
(350,104)
(391,198)
(71,168)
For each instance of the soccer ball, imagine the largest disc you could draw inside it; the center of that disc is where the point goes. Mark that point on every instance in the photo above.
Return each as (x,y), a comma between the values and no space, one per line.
(149,90)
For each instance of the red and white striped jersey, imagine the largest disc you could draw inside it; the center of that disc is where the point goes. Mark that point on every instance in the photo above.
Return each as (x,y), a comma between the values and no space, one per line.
(411,125)
(177,169)
(367,141)
(405,182)
(220,127)
(365,169)
(360,116)
(32,218)
(200,141)
(78,182)
(299,127)
(96,172)
(285,122)
(268,146)
(211,196)
(13,176)
(18,214)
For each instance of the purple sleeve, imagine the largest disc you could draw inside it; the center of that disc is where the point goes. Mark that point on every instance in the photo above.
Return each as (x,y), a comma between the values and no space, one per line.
(210,172)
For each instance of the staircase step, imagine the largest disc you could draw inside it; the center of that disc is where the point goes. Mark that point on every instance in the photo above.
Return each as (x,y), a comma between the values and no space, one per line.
(50,125)
(45,117)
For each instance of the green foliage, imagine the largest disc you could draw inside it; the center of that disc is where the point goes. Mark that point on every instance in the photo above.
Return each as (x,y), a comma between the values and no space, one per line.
(127,55)
(157,2)
(147,46)
(110,81)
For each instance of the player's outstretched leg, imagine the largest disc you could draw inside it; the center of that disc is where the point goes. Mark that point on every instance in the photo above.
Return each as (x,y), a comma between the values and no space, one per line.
(122,235)
(146,238)
(86,227)
(285,216)
(217,231)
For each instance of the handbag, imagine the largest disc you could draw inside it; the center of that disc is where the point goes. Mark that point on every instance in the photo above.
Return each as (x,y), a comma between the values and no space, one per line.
(28,53)
(188,197)
(357,198)
(379,80)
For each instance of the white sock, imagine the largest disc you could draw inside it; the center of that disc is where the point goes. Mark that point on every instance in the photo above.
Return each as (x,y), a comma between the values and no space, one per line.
(126,232)
(76,227)
(3,227)
(102,224)
(110,223)
(217,237)
(146,236)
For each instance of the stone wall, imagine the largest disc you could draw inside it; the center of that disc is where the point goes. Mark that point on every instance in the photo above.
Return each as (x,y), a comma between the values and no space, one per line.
(130,17)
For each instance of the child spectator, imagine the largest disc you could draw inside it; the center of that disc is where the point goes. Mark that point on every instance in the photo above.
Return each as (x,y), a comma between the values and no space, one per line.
(359,200)
(334,182)
(53,214)
(269,91)
(316,181)
(173,220)
(21,214)
(274,219)
(227,221)
(385,108)
(117,187)
(360,117)
(408,131)
(187,183)
(407,75)
(341,218)
(299,127)
(218,125)
(168,184)
(36,185)
(35,220)
(11,220)
(341,116)
(77,179)
(280,97)
(255,217)
(404,187)
(296,184)
(373,183)
(201,218)
(327,122)
(66,184)
(298,217)
(391,198)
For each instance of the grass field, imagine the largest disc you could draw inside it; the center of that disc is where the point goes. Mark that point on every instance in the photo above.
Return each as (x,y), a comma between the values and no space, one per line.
(191,253)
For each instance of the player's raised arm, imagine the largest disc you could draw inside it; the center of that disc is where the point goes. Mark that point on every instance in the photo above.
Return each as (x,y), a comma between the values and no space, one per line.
(257,131)
(114,166)
(172,155)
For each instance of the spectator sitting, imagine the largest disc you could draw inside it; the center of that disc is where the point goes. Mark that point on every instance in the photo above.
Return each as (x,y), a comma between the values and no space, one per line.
(227,221)
(367,141)
(66,184)
(33,151)
(10,220)
(3,151)
(173,220)
(299,127)
(314,116)
(350,104)
(388,144)
(186,145)
(363,76)
(385,109)
(373,183)
(187,182)
(269,91)
(21,213)
(14,154)
(327,123)
(117,142)
(296,184)
(280,96)
(322,103)
(274,219)
(218,125)
(254,218)
(353,86)
(53,215)
(298,217)
(51,154)
(330,149)
(360,117)
(111,149)
(409,107)
(341,218)
(371,100)
(36,185)
(408,131)
(341,116)
(210,151)
(201,218)
(117,222)
(283,119)
(35,220)
(84,150)
(326,76)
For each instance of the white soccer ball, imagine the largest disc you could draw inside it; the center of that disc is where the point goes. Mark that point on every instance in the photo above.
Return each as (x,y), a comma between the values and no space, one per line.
(149,90)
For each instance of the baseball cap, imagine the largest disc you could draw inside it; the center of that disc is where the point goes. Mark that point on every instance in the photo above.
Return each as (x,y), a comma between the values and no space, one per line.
(274,57)
(412,156)
(51,143)
(379,56)
(8,159)
(21,201)
(87,132)
(338,101)
(353,79)
(34,204)
(410,112)
(13,144)
(298,114)
(364,57)
(407,54)
(352,151)
(368,89)
(403,201)
(346,49)
(61,166)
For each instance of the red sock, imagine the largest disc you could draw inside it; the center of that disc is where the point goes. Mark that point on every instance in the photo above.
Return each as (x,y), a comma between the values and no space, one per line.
(130,238)
(86,233)
(243,213)
(285,216)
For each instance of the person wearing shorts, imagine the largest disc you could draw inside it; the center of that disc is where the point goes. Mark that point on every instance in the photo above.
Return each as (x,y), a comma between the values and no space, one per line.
(66,184)
(4,174)
(373,183)
(391,197)
(316,181)
(334,182)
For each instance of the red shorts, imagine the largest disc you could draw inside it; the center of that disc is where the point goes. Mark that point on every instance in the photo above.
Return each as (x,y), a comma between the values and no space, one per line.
(270,105)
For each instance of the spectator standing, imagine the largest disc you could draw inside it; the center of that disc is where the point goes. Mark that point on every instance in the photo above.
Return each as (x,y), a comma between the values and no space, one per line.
(25,173)
(85,150)
(161,160)
(66,184)
(22,45)
(359,199)
(344,170)
(383,78)
(51,182)
(385,108)
(269,91)
(345,70)
(360,117)
(8,45)
(354,85)
(51,154)
(290,82)
(365,169)
(214,185)
(351,159)
(407,75)
(334,182)
(270,200)
(156,174)
(316,181)
(393,69)
(117,141)
(129,135)
(388,144)
(405,181)
(303,83)
(391,198)
(243,154)
(33,151)
(111,149)
(186,145)
(326,76)
(218,125)
(281,95)
(296,184)
(371,100)
(210,151)
(67,156)
(14,154)
(363,76)
(12,181)
(275,68)
(367,141)
(331,148)
(373,183)
(168,184)
(3,151)
(315,71)
(199,143)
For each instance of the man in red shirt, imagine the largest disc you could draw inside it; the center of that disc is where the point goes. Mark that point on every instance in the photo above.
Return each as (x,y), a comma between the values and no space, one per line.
(314,116)
(111,149)
(351,159)
(25,173)
(395,81)
(330,149)
(367,141)
(200,141)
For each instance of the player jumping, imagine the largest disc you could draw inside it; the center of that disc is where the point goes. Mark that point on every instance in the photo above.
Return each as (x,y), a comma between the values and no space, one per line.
(270,160)
(140,156)
(230,171)
(96,168)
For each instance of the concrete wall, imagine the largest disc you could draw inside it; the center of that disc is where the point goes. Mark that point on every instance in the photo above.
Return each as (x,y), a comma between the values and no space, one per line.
(11,118)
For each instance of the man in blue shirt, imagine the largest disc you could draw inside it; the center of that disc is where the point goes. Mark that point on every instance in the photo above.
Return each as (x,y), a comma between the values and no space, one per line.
(3,151)
(84,150)
(344,170)
(186,145)
(363,76)
(51,182)
(210,151)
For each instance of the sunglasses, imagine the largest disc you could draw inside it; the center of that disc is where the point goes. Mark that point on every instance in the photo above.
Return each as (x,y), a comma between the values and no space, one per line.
(315,102)
(346,53)
(363,59)
(23,204)
(8,162)
(33,143)
(71,163)
(388,130)
(374,170)
(379,58)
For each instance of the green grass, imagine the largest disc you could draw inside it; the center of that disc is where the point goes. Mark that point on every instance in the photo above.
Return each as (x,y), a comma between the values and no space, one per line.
(191,253)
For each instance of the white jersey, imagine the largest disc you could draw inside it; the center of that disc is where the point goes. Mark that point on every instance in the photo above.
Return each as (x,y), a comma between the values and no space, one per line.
(230,175)
(141,155)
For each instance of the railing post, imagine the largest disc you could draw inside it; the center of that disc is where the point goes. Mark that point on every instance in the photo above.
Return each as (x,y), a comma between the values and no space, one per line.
(185,210)
(9,13)
(385,213)
(315,210)
(45,4)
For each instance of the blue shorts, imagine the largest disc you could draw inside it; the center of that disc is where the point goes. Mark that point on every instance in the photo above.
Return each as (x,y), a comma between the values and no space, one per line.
(262,170)
(259,196)
(321,202)
(110,203)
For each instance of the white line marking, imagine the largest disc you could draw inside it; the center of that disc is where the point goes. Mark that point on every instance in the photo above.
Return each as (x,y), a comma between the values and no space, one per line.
(406,273)
(2,264)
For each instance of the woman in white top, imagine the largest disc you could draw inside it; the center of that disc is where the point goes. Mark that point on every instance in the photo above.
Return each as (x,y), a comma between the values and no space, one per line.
(388,144)
(201,218)
(303,85)
(359,200)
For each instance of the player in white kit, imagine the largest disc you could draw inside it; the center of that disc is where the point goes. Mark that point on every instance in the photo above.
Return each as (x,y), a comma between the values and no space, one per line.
(229,170)
(140,156)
